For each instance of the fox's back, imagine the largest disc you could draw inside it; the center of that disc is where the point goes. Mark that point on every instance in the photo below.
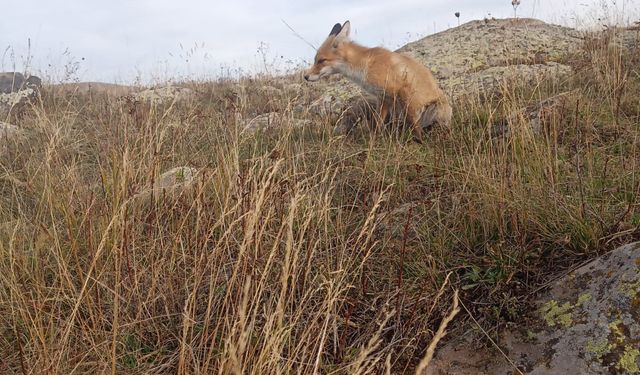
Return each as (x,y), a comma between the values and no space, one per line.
(401,75)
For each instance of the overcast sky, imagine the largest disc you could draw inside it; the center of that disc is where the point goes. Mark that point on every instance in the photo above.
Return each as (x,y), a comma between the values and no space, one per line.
(155,40)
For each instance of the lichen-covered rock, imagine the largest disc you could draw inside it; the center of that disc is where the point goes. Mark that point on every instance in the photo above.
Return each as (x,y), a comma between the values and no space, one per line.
(16,91)
(479,55)
(272,120)
(587,323)
(171,183)
(15,81)
(8,130)
(538,117)
(264,121)
(165,95)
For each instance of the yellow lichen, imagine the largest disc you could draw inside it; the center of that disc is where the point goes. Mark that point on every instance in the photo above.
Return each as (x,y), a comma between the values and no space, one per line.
(631,289)
(556,314)
(599,349)
(618,334)
(583,298)
(629,360)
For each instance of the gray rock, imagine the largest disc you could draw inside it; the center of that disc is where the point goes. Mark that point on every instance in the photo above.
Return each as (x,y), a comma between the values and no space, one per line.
(7,130)
(538,117)
(16,92)
(15,81)
(8,133)
(165,95)
(588,322)
(171,183)
(479,55)
(272,120)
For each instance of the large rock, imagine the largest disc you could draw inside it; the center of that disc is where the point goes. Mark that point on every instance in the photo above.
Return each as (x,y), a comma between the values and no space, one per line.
(170,184)
(8,130)
(15,81)
(165,95)
(588,322)
(538,117)
(16,91)
(272,120)
(479,56)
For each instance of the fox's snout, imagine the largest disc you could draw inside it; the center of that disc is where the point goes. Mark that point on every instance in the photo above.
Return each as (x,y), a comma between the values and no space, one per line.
(311,76)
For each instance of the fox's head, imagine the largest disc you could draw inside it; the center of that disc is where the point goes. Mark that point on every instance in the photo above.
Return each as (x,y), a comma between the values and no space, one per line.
(329,56)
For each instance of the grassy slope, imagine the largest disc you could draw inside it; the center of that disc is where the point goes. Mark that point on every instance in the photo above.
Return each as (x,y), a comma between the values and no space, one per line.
(298,251)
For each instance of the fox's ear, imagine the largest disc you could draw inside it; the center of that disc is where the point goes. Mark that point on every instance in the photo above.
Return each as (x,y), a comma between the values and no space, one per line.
(336,29)
(343,35)
(345,31)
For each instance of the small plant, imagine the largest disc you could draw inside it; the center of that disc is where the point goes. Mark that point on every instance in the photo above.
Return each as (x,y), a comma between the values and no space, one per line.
(515,4)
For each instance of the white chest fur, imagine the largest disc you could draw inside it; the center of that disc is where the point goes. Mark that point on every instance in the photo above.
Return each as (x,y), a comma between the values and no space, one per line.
(359,77)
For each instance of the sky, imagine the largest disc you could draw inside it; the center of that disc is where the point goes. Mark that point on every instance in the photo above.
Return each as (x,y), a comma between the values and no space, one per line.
(147,41)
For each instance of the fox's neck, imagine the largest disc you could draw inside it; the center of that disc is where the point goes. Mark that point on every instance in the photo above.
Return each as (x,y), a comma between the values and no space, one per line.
(355,55)
(356,64)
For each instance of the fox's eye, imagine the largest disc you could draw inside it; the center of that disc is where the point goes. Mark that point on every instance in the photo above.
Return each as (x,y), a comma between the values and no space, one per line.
(322,61)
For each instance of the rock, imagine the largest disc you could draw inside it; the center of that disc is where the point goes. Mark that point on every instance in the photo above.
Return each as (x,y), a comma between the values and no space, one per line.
(538,117)
(588,322)
(15,81)
(475,57)
(165,95)
(179,176)
(271,91)
(327,105)
(16,92)
(263,121)
(272,120)
(171,183)
(7,130)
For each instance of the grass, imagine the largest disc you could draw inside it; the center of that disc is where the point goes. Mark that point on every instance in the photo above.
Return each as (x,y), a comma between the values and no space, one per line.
(296,251)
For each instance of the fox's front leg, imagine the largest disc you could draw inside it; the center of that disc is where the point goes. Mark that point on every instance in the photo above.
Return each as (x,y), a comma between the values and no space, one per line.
(414,116)
(382,115)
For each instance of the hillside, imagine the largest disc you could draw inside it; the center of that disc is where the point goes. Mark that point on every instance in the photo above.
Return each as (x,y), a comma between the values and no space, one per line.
(238,227)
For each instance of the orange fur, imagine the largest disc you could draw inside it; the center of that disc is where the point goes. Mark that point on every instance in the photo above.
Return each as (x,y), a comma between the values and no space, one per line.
(392,77)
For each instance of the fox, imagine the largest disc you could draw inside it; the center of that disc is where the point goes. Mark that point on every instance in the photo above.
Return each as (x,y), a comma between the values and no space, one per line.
(393,78)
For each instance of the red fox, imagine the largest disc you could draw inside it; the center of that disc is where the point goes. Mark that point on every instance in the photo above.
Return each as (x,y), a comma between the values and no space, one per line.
(392,77)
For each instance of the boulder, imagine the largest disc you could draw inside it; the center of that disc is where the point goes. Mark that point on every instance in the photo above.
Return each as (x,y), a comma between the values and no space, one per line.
(15,81)
(16,91)
(8,130)
(538,117)
(479,56)
(165,95)
(587,322)
(171,183)
(272,120)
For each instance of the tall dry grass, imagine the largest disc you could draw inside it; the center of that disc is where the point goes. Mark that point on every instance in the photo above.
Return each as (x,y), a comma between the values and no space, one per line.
(296,251)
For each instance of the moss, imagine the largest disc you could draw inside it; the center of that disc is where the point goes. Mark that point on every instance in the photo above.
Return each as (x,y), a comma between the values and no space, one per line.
(629,360)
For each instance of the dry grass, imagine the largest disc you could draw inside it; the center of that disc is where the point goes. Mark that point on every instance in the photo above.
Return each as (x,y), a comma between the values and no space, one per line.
(297,251)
